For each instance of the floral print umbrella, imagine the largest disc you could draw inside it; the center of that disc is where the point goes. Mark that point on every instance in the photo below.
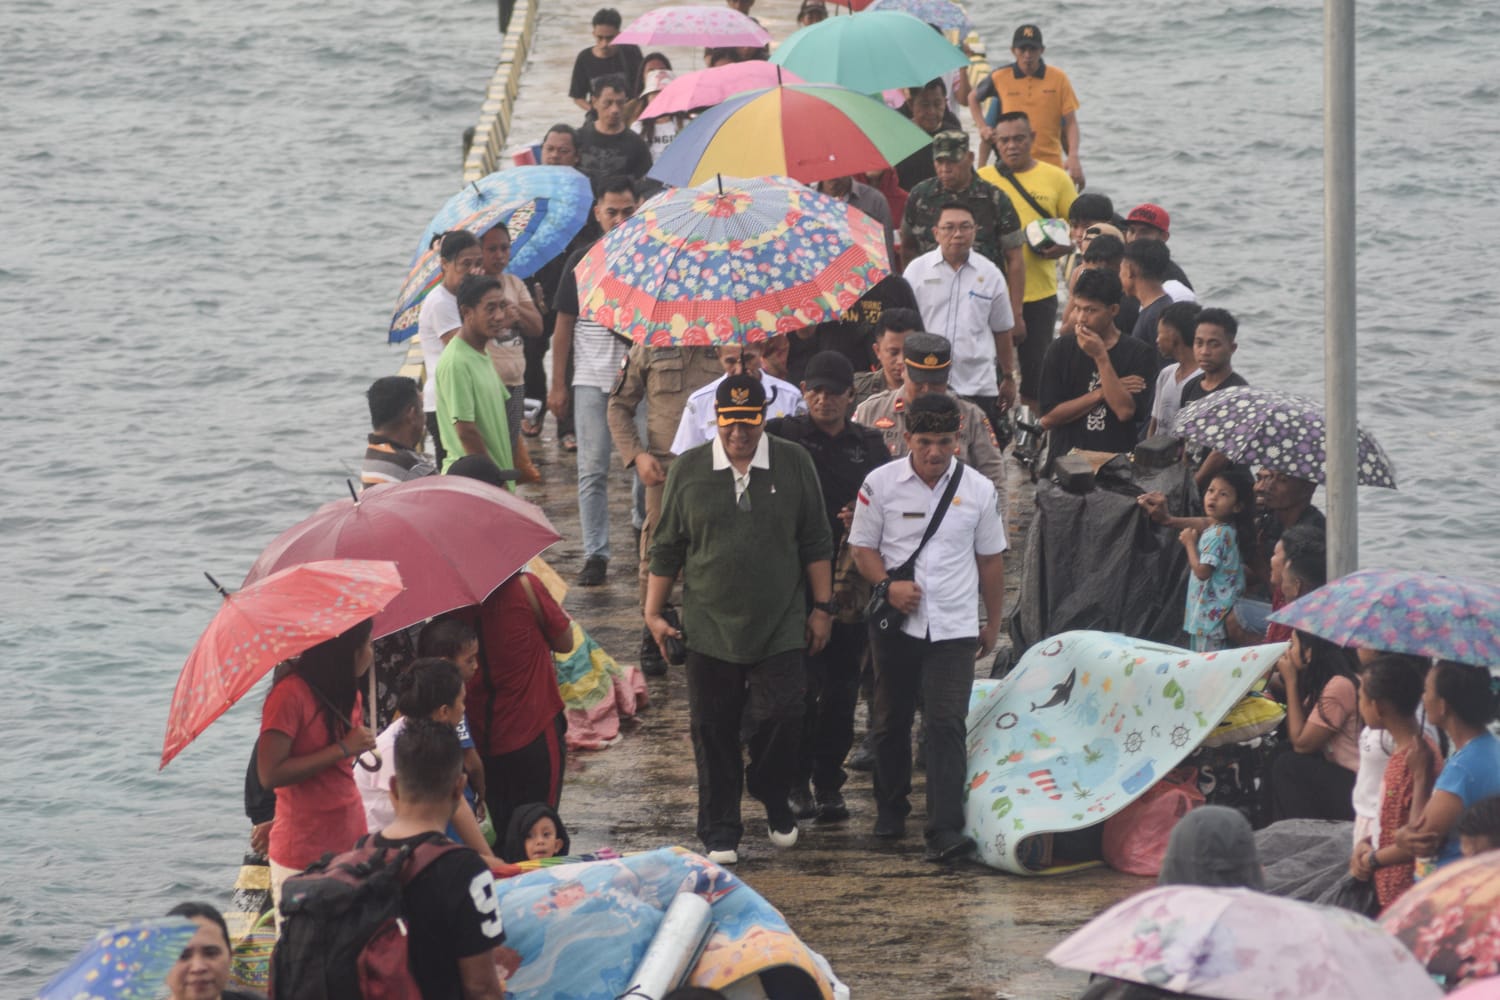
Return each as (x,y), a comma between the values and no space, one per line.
(130,962)
(712,27)
(1276,430)
(1424,614)
(944,13)
(1244,945)
(1451,919)
(731,261)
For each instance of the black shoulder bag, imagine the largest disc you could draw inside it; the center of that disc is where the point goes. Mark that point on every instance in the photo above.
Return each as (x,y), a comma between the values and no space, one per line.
(884,618)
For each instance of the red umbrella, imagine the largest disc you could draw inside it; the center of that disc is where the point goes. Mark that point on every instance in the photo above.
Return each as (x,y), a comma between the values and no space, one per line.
(264,623)
(454,540)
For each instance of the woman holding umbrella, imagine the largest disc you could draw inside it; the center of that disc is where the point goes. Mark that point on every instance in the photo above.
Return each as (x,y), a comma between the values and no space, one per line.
(311,729)
(1459,701)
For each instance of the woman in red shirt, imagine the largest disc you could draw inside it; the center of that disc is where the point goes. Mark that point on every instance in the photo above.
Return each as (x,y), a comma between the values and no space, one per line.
(311,729)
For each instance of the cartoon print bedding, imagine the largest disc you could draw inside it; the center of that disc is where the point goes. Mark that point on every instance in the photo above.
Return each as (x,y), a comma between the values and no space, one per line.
(1083,726)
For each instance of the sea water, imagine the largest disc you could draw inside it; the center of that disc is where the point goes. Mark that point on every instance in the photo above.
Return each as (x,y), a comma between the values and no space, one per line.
(205,213)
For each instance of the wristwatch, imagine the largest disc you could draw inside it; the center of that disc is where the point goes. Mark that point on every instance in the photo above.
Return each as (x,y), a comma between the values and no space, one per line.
(880,589)
(1007,375)
(827,607)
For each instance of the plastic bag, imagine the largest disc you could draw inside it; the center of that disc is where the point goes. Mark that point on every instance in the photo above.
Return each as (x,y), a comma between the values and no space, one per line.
(1135,838)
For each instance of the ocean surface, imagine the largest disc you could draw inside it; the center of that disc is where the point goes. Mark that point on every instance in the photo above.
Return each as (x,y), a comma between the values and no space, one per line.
(206,211)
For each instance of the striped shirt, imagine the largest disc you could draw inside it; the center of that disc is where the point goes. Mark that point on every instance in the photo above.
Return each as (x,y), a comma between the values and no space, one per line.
(386,461)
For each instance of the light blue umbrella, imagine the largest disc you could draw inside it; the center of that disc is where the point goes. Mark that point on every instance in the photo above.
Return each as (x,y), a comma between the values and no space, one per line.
(130,962)
(563,187)
(871,52)
(944,13)
(541,223)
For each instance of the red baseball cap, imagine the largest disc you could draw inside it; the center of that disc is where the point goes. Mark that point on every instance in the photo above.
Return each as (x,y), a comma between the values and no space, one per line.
(1151,215)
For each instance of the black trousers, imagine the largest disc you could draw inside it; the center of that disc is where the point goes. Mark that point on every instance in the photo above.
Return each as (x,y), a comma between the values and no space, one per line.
(533,773)
(535,349)
(1041,325)
(436,439)
(832,693)
(942,674)
(1310,786)
(765,702)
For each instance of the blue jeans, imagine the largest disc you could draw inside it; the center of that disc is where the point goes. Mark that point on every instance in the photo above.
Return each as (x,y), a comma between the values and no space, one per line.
(595,449)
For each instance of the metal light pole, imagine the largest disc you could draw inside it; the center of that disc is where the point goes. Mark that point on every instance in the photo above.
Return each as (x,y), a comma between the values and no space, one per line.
(1338,286)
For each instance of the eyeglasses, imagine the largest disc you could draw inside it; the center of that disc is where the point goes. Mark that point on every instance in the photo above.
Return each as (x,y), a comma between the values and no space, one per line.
(949,228)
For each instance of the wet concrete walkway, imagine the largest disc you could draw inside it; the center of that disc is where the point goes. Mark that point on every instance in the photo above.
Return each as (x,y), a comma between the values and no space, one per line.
(890,924)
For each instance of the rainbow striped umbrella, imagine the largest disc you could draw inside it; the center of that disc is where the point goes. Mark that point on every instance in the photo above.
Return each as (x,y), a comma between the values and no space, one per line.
(809,132)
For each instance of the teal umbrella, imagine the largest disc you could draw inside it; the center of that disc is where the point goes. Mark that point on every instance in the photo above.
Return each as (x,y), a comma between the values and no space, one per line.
(870,52)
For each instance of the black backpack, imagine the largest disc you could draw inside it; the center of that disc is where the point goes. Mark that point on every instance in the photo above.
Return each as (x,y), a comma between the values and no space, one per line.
(342,932)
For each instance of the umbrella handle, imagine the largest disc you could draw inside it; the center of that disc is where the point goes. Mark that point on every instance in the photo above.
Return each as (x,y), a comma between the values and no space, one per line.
(360,760)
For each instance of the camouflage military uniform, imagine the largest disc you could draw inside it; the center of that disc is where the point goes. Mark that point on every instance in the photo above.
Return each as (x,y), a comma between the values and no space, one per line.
(867,384)
(976,440)
(663,378)
(998,227)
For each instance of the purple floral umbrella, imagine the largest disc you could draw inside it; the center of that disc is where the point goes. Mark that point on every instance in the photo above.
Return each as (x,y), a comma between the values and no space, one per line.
(1424,614)
(1277,431)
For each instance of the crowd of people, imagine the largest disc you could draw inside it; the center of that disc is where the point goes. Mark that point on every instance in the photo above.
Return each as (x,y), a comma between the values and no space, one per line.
(828,506)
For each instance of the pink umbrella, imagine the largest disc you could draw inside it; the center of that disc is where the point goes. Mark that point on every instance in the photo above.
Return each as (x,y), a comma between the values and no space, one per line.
(706,87)
(1479,989)
(712,27)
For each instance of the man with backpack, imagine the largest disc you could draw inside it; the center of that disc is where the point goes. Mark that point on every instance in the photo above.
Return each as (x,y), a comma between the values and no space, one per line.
(405,905)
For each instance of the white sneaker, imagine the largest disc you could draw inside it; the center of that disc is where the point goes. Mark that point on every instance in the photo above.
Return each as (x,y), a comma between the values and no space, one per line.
(729,857)
(788,839)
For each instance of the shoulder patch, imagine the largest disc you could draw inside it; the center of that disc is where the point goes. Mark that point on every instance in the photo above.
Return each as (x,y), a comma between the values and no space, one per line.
(884,423)
(866,491)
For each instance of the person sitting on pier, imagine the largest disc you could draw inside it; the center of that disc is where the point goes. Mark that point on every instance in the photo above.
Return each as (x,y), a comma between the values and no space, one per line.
(201,971)
(535,832)
(606,147)
(397,425)
(603,58)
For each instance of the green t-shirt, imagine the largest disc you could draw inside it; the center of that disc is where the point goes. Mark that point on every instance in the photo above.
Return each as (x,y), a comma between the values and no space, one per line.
(468,389)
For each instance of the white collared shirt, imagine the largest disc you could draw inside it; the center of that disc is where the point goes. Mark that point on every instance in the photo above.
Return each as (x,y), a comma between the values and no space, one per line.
(967,306)
(760,460)
(699,424)
(892,515)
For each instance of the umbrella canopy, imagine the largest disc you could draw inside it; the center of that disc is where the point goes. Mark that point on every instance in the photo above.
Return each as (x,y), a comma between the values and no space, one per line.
(731,261)
(869,52)
(130,962)
(713,27)
(1480,989)
(454,540)
(704,88)
(269,620)
(1404,611)
(540,225)
(1276,430)
(942,13)
(809,132)
(1232,943)
(1451,919)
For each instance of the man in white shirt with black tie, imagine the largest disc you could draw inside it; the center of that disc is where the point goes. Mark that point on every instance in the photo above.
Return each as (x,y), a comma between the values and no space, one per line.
(932,654)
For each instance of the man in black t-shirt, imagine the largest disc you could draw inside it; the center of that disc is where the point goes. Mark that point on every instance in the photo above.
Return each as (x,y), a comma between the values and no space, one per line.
(1213,348)
(606,147)
(1096,384)
(450,909)
(604,58)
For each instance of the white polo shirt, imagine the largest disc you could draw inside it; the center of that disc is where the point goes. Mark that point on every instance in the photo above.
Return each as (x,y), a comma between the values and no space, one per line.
(891,517)
(699,424)
(967,306)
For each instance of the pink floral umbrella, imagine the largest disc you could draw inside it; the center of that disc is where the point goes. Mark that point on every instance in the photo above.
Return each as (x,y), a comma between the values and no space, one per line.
(731,261)
(1238,944)
(711,27)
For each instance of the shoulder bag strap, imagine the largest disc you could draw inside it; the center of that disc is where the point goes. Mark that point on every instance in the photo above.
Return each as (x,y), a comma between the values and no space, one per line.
(1009,175)
(937,517)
